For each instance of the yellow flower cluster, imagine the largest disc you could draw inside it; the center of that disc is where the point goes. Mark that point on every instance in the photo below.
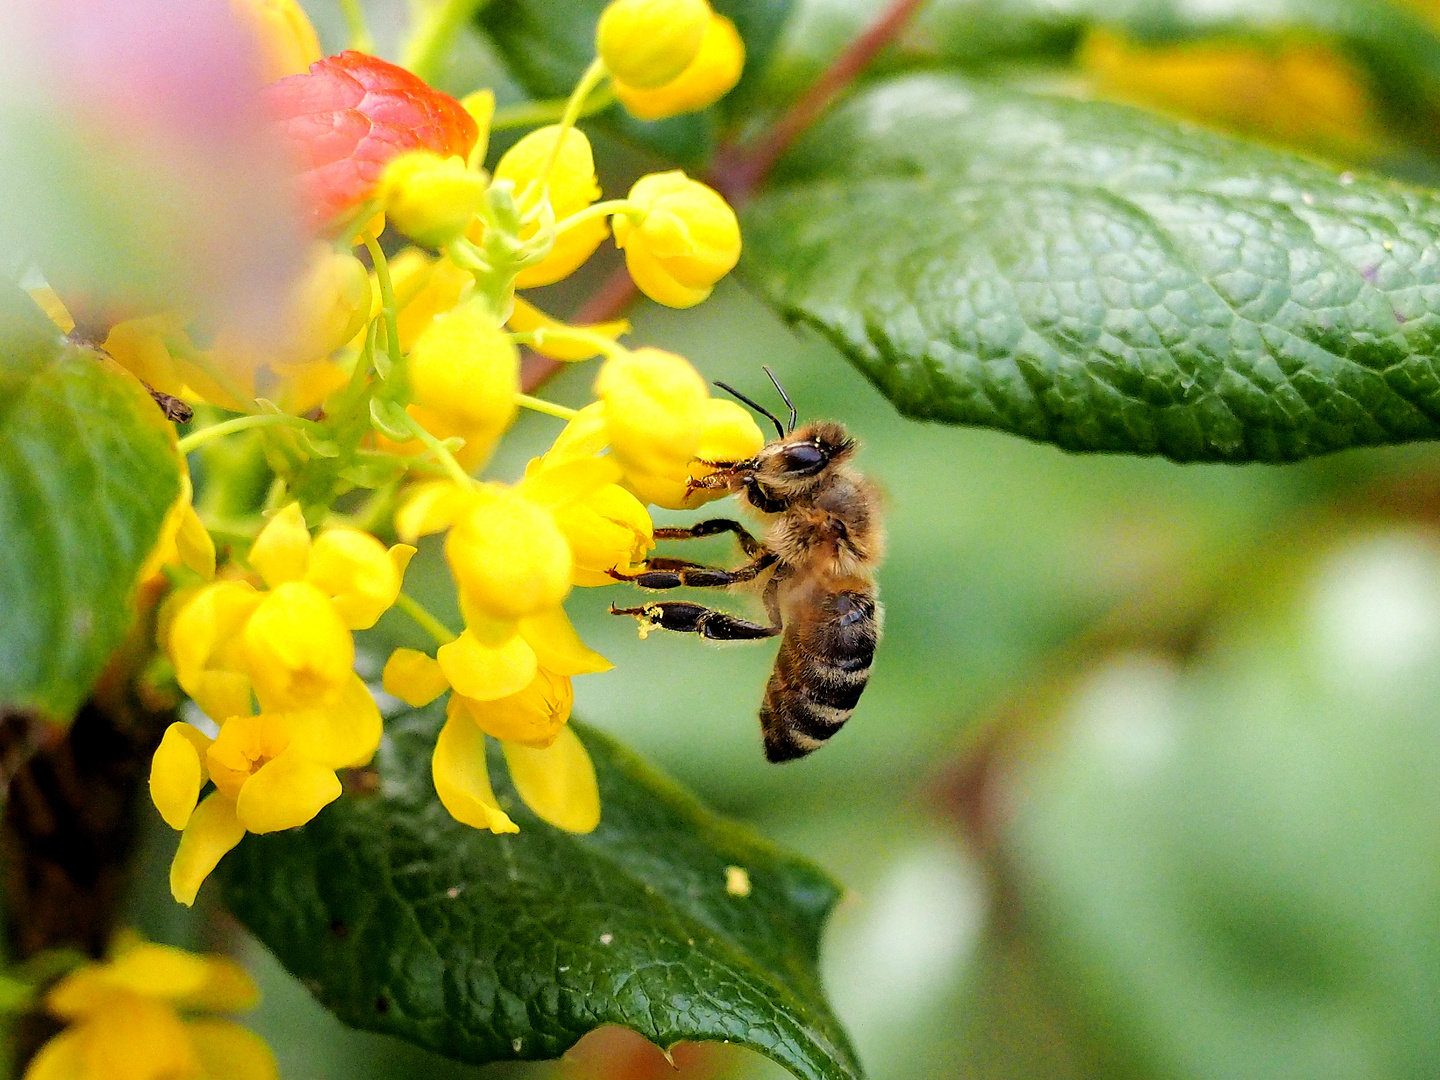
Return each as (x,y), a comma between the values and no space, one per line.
(289,647)
(141,1015)
(402,377)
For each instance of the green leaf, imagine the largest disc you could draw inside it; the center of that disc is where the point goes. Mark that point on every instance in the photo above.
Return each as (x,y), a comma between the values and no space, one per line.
(88,471)
(1229,867)
(548,44)
(486,947)
(1099,278)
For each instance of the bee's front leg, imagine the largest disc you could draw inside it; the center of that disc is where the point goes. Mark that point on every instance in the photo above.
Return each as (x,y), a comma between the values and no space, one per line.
(687,618)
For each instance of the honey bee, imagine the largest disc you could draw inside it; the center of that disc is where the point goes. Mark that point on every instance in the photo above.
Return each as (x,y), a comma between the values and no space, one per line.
(821,543)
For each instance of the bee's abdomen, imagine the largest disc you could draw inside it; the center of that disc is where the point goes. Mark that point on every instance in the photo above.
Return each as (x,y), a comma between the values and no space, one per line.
(820,672)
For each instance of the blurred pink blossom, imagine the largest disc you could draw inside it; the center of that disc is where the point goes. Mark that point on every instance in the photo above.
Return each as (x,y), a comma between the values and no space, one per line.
(138,169)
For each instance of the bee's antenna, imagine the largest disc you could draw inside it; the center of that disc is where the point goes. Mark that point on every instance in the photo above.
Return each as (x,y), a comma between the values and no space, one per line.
(784,396)
(758,408)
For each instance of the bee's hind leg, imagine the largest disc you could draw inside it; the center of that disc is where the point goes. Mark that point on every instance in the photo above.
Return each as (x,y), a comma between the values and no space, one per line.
(686,618)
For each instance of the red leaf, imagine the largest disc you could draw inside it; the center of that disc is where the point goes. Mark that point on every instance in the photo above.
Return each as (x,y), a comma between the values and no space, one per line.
(349,115)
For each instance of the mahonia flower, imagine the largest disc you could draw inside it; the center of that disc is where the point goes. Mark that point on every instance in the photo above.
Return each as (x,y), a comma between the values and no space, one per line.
(570,186)
(659,419)
(141,1015)
(350,115)
(429,198)
(290,648)
(284,34)
(709,77)
(648,43)
(464,375)
(679,237)
(548,764)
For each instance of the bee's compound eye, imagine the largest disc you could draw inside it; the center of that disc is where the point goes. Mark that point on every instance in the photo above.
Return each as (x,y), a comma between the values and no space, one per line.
(804,459)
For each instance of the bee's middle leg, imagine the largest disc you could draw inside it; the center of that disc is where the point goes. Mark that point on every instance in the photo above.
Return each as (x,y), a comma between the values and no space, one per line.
(662,573)
(686,618)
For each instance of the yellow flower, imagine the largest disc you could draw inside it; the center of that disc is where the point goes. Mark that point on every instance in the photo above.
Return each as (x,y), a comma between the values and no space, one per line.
(424,287)
(429,198)
(288,45)
(647,43)
(660,420)
(711,75)
(330,305)
(680,238)
(571,187)
(549,766)
(290,646)
(130,1018)
(464,375)
(271,771)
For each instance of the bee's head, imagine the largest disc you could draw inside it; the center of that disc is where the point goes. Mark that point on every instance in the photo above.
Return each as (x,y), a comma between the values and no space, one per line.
(798,462)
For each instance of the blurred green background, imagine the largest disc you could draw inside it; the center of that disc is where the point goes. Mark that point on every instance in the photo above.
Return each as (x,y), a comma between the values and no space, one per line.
(1147,779)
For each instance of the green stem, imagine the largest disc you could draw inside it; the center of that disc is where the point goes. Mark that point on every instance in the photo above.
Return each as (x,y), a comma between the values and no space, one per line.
(387,298)
(549,408)
(441,452)
(593,74)
(550,110)
(361,39)
(197,439)
(431,41)
(599,209)
(427,622)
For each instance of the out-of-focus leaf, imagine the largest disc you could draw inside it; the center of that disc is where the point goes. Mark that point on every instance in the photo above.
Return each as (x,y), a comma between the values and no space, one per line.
(1231,867)
(487,948)
(1397,49)
(88,471)
(549,44)
(1088,275)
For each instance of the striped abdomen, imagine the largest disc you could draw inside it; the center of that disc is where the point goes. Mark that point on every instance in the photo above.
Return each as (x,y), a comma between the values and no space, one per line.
(820,672)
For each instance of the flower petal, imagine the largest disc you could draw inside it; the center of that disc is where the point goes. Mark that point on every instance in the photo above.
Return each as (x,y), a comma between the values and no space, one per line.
(568,482)
(485,672)
(228,1051)
(558,647)
(136,1038)
(157,971)
(282,550)
(285,792)
(558,782)
(213,830)
(342,734)
(414,677)
(430,508)
(461,777)
(533,716)
(527,317)
(177,772)
(227,988)
(59,1059)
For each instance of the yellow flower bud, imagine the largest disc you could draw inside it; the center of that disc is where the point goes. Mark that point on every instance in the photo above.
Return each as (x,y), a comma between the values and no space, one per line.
(654,410)
(533,715)
(423,289)
(647,43)
(429,198)
(508,556)
(711,75)
(682,240)
(730,434)
(358,574)
(464,375)
(300,652)
(330,305)
(572,187)
(281,552)
(287,41)
(608,530)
